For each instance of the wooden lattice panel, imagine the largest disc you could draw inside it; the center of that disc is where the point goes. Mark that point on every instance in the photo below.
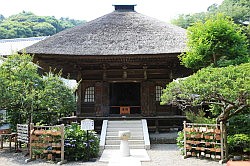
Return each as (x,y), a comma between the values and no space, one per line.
(23,133)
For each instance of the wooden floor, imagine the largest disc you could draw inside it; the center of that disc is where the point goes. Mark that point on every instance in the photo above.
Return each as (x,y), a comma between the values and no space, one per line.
(155,123)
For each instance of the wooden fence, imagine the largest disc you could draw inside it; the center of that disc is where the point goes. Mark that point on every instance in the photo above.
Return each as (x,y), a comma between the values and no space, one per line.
(204,141)
(47,142)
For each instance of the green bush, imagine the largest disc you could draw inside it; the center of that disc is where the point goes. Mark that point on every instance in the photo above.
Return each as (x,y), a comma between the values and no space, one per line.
(76,145)
(180,141)
(239,124)
(239,143)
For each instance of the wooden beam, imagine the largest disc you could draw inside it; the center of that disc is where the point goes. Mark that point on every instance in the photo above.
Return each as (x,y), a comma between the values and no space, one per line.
(79,94)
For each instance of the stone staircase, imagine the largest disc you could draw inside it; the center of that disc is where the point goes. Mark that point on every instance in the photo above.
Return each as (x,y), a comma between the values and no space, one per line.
(139,134)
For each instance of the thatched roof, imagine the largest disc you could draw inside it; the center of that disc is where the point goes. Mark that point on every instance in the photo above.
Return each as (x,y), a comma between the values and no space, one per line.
(117,33)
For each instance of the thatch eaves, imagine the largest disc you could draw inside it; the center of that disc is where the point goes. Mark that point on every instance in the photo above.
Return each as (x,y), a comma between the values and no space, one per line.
(117,33)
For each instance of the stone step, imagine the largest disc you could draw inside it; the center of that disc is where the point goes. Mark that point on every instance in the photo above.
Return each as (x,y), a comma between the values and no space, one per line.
(115,133)
(130,142)
(124,122)
(125,125)
(130,146)
(124,129)
(137,137)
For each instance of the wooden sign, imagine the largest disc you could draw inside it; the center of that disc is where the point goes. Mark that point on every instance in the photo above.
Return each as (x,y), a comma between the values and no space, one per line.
(23,133)
(87,124)
(124,110)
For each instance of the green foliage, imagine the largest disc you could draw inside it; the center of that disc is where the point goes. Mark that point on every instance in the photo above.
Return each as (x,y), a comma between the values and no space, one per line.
(226,88)
(18,77)
(25,94)
(199,117)
(239,143)
(43,28)
(27,24)
(239,124)
(238,10)
(188,20)
(218,41)
(180,141)
(76,143)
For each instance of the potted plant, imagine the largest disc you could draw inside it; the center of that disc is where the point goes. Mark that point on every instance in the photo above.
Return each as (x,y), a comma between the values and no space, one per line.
(198,148)
(217,131)
(207,136)
(212,149)
(50,156)
(218,150)
(217,137)
(37,153)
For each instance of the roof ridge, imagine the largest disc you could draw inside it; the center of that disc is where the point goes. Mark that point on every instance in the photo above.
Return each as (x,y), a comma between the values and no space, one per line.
(116,33)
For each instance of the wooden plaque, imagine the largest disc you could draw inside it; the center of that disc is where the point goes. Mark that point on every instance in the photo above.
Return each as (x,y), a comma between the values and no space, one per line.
(124,110)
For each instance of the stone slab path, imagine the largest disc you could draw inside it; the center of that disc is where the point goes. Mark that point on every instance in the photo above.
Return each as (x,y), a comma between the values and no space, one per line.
(113,157)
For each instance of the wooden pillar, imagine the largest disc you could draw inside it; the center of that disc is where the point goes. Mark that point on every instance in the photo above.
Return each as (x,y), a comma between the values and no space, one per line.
(105,98)
(102,98)
(148,98)
(79,94)
(145,75)
(98,98)
(151,99)
(144,98)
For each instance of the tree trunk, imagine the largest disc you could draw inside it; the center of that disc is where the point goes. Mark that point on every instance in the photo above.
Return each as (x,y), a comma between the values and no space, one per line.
(215,60)
(225,140)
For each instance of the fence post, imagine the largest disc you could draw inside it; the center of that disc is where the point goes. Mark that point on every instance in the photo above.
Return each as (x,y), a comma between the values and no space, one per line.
(225,140)
(29,144)
(185,150)
(31,128)
(222,141)
(62,142)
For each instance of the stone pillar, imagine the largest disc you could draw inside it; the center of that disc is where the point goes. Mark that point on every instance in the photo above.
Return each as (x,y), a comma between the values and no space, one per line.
(124,146)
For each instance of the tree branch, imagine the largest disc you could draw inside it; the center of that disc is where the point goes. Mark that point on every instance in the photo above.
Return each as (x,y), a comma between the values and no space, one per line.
(237,111)
(222,99)
(211,102)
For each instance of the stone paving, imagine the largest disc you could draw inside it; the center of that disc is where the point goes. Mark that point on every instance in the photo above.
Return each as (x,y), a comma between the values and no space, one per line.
(160,154)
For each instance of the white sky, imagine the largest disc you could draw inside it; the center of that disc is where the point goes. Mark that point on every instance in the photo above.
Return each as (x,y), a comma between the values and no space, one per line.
(164,10)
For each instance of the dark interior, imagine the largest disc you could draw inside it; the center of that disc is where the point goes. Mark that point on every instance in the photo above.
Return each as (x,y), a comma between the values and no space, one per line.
(125,94)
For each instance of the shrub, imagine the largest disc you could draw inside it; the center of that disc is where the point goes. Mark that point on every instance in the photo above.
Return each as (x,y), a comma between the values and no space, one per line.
(180,141)
(239,124)
(76,143)
(239,143)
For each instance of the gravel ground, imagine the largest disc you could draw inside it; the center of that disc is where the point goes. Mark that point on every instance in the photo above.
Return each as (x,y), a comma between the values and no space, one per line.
(160,154)
(169,155)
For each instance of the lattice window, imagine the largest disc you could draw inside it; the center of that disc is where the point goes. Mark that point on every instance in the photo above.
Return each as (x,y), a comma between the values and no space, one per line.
(89,95)
(158,92)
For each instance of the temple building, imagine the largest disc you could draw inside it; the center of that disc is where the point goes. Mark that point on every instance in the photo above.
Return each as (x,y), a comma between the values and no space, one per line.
(124,59)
